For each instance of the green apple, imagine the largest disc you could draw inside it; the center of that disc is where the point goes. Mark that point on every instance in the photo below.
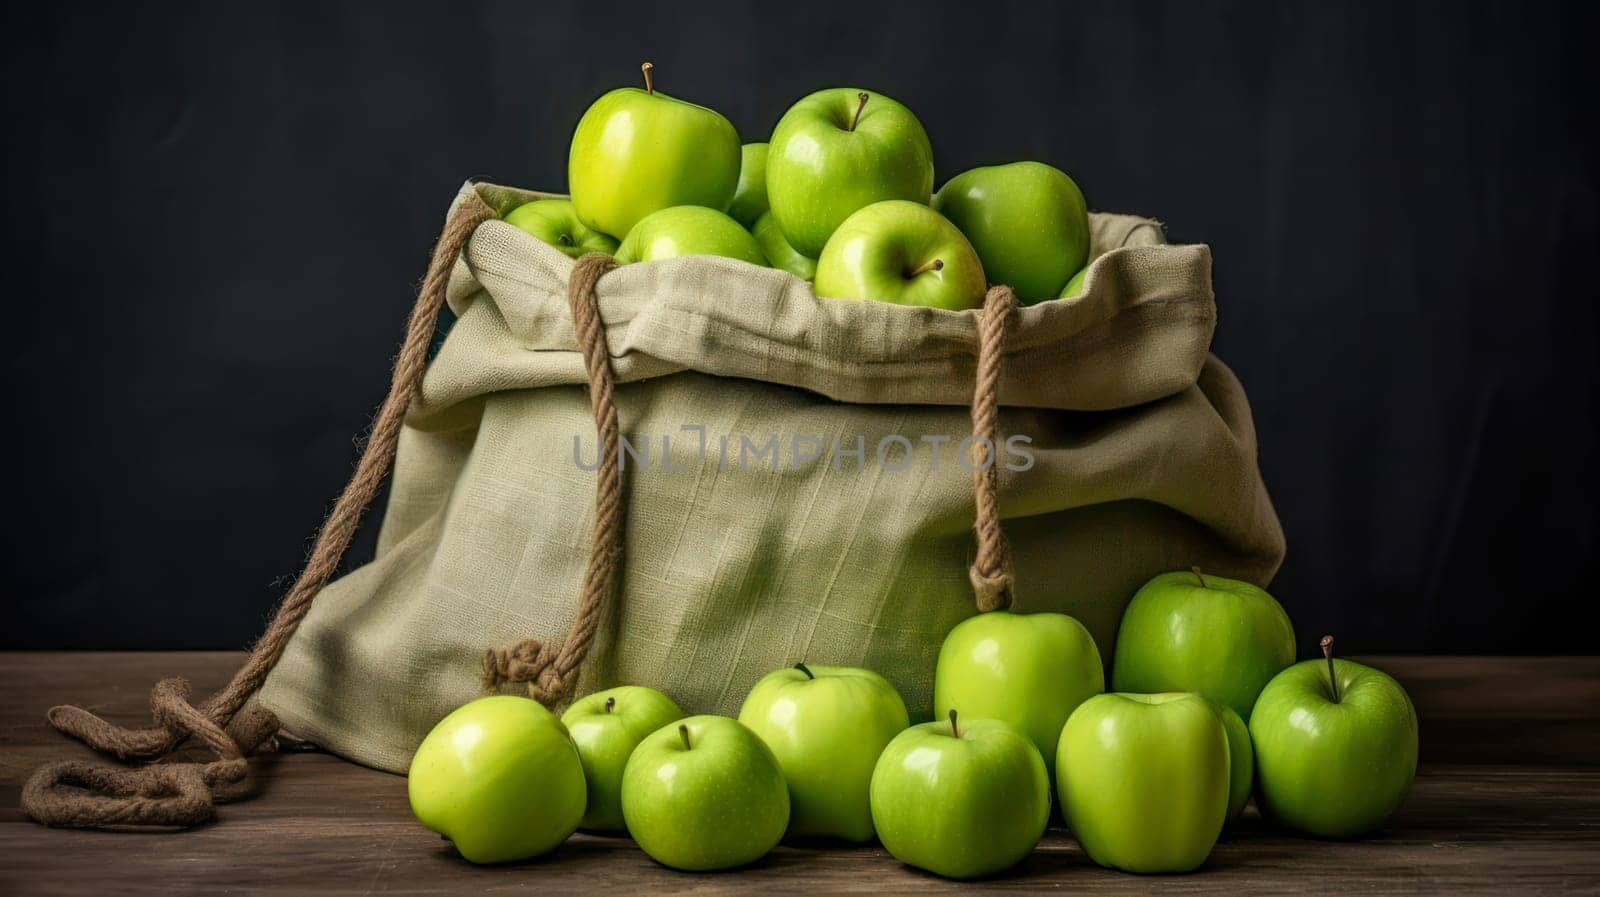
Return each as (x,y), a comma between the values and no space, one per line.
(1027,220)
(1143,780)
(904,253)
(500,778)
(1241,760)
(750,196)
(1336,747)
(704,793)
(838,151)
(778,251)
(1202,633)
(1030,670)
(1074,286)
(554,222)
(606,726)
(827,726)
(688,230)
(638,151)
(961,798)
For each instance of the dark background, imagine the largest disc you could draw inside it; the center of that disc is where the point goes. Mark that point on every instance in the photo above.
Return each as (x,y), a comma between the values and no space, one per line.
(216,215)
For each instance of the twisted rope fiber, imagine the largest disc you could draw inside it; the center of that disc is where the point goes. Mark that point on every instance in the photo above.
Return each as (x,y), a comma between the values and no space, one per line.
(552,680)
(83,795)
(77,794)
(991,567)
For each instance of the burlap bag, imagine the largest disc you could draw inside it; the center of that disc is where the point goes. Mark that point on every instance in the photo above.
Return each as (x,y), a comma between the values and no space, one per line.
(728,564)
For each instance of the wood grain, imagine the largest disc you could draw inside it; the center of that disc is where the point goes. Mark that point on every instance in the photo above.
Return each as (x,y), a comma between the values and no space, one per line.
(1511,710)
(323,826)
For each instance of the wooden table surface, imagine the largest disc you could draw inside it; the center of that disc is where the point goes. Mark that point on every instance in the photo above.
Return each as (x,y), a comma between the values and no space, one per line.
(1507,799)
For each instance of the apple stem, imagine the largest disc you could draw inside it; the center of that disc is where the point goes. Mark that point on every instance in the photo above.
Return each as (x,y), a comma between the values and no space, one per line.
(805,669)
(611,704)
(861,106)
(683,732)
(935,265)
(954,732)
(649,82)
(1197,575)
(1333,678)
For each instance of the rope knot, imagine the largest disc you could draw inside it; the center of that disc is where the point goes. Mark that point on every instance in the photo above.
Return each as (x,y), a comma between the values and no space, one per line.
(992,591)
(525,662)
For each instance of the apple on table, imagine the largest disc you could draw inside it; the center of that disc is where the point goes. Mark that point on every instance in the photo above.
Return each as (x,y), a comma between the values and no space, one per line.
(1222,638)
(688,230)
(1027,220)
(901,252)
(605,727)
(1030,670)
(639,151)
(826,725)
(1144,780)
(1336,747)
(500,779)
(960,798)
(704,793)
(1241,760)
(837,151)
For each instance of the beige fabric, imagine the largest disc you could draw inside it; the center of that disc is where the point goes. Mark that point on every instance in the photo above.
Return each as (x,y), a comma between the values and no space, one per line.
(1144,461)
